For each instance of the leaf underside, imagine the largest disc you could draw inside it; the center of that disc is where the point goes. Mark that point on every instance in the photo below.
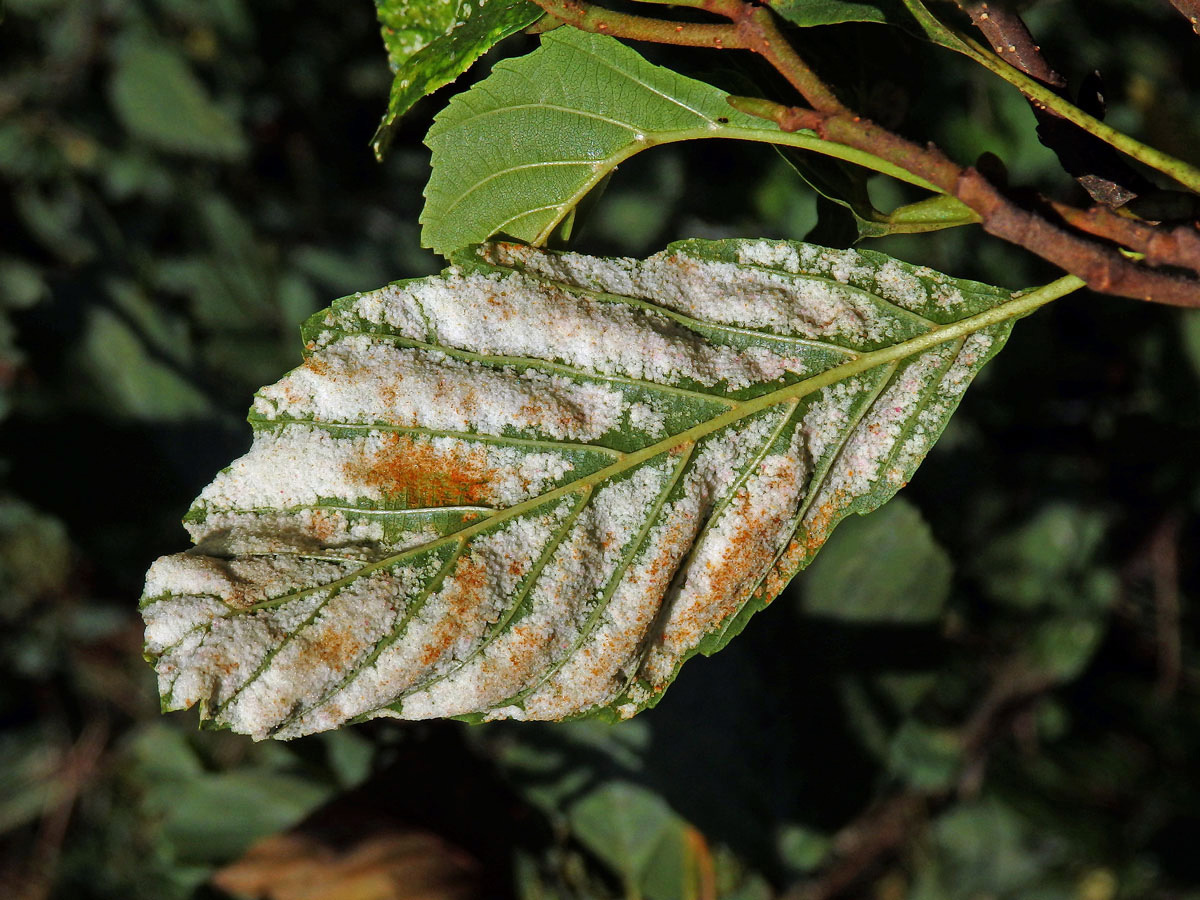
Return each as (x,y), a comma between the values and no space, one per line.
(846,185)
(515,153)
(534,485)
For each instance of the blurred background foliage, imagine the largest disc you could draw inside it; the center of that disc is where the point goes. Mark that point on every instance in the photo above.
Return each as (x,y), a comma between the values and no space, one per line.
(989,689)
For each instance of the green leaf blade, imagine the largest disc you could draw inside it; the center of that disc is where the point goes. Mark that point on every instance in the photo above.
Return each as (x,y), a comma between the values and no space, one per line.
(516,153)
(430,44)
(158,98)
(806,13)
(533,486)
(884,568)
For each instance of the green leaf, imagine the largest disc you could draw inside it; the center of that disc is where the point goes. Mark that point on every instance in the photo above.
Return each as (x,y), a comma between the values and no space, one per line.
(985,848)
(1050,562)
(846,185)
(431,42)
(639,837)
(595,780)
(202,816)
(517,152)
(126,377)
(35,558)
(1060,648)
(1190,332)
(32,779)
(928,759)
(833,12)
(887,568)
(533,486)
(159,99)
(21,286)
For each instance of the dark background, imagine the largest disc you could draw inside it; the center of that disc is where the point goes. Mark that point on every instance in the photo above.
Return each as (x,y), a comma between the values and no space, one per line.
(989,689)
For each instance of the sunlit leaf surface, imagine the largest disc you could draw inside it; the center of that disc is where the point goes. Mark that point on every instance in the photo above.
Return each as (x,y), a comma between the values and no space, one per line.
(534,485)
(431,42)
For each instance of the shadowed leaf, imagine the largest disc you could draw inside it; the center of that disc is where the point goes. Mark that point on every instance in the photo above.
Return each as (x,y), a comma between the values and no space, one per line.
(835,12)
(158,98)
(846,185)
(888,568)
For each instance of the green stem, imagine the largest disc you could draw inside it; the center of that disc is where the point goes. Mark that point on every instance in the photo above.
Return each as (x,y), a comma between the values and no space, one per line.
(1185,174)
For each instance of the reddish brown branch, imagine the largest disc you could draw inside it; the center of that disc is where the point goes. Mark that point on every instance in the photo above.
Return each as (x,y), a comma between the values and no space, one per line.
(1164,567)
(1010,38)
(1097,167)
(1103,268)
(1190,10)
(863,846)
(1177,246)
(596,20)
(863,843)
(767,40)
(753,28)
(79,766)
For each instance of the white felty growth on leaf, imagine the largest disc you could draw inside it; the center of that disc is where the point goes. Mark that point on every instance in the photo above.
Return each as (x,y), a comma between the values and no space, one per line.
(533,486)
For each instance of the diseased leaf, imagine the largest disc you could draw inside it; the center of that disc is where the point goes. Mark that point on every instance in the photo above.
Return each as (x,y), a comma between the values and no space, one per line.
(835,12)
(533,486)
(516,153)
(432,42)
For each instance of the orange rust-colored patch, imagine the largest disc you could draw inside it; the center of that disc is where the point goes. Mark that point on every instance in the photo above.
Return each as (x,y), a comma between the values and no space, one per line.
(821,523)
(414,473)
(317,366)
(324,525)
(525,657)
(466,591)
(684,264)
(333,648)
(811,538)
(535,413)
(750,552)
